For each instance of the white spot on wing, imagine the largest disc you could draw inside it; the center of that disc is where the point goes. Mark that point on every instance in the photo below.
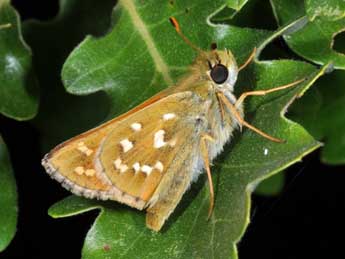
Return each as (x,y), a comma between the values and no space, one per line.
(265,151)
(146,169)
(168,116)
(84,149)
(126,145)
(117,163)
(136,167)
(136,126)
(158,140)
(159,166)
(90,172)
(79,170)
(123,168)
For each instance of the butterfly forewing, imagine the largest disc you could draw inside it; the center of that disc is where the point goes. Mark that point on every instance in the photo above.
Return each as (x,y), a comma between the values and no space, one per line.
(72,162)
(125,160)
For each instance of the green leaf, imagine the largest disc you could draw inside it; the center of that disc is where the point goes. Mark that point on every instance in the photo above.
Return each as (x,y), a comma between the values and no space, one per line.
(236,4)
(19,101)
(8,199)
(18,90)
(230,9)
(63,115)
(142,54)
(315,40)
(271,186)
(320,111)
(248,15)
(325,9)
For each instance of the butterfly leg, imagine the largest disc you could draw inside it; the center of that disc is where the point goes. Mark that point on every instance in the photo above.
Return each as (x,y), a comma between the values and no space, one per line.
(204,153)
(250,58)
(264,92)
(241,121)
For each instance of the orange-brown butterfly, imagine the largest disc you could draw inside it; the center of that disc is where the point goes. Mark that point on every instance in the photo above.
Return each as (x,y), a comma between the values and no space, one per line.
(148,157)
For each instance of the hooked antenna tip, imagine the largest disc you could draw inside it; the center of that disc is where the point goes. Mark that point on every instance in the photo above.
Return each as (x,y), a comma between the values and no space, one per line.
(174,23)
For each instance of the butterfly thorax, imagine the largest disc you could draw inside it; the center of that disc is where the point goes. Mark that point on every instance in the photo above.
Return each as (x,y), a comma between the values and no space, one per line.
(213,72)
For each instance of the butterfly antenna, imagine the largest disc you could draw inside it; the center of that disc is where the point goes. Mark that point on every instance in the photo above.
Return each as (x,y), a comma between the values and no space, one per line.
(176,25)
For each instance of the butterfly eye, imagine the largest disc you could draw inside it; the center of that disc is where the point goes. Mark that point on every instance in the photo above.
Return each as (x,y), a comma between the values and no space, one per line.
(219,73)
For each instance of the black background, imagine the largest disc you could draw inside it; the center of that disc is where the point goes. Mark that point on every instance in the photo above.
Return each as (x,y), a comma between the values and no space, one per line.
(305,221)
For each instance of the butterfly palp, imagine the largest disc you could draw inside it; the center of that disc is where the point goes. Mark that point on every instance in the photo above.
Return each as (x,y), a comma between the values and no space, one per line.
(209,64)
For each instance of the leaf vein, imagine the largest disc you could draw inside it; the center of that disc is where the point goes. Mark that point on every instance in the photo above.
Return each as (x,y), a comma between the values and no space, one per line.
(161,66)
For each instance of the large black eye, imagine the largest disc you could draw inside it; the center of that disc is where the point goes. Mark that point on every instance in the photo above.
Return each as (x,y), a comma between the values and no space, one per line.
(219,73)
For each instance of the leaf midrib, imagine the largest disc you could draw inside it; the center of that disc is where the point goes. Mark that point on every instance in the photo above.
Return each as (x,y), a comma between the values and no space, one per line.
(143,31)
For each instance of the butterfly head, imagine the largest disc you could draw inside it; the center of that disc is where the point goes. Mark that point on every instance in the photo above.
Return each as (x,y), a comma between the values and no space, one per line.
(218,66)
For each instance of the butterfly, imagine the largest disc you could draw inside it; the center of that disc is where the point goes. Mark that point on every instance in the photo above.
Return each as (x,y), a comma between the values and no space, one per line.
(148,157)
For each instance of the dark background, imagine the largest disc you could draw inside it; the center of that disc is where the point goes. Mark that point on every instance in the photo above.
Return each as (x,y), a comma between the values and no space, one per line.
(305,221)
